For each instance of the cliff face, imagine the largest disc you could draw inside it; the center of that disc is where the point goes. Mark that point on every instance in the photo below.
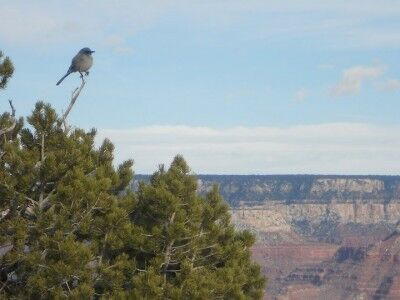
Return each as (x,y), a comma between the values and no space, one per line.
(259,190)
(308,205)
(279,217)
(320,237)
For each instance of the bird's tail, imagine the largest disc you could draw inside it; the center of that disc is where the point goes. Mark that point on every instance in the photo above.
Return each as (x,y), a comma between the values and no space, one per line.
(69,72)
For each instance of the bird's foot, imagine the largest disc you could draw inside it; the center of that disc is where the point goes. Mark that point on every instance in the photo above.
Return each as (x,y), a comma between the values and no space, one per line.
(87,73)
(81,75)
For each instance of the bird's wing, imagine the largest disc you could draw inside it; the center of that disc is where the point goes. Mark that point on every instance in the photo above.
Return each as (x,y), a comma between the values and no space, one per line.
(75,63)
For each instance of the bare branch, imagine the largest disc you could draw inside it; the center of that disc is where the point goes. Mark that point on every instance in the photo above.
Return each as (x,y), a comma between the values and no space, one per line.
(43,266)
(140,270)
(12,108)
(69,289)
(174,248)
(4,214)
(44,201)
(173,271)
(206,256)
(74,97)
(42,184)
(147,235)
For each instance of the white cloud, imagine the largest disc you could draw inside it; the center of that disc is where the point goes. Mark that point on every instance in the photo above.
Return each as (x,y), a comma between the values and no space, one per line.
(31,23)
(337,148)
(352,79)
(118,44)
(40,21)
(325,66)
(390,85)
(301,94)
(43,22)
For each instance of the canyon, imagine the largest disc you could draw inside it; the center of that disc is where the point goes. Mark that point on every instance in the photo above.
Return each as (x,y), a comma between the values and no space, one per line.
(319,237)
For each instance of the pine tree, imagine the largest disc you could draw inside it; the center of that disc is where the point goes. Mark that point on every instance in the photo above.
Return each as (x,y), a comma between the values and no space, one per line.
(6,70)
(65,211)
(7,121)
(191,250)
(72,229)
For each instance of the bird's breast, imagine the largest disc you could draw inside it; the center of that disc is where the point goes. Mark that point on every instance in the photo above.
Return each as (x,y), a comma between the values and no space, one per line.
(82,62)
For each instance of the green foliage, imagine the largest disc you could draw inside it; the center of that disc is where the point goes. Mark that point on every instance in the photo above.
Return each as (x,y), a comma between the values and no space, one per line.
(68,221)
(6,70)
(72,229)
(190,245)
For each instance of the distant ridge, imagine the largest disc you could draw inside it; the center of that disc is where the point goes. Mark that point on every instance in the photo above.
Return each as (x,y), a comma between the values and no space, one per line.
(250,190)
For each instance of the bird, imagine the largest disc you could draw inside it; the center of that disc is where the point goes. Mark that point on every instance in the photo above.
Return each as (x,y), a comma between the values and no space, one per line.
(80,63)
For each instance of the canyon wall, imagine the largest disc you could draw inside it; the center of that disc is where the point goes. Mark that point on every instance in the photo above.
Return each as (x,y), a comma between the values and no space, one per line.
(280,217)
(256,190)
(320,237)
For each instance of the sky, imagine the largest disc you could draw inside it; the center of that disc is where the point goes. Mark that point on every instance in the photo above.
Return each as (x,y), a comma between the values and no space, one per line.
(236,87)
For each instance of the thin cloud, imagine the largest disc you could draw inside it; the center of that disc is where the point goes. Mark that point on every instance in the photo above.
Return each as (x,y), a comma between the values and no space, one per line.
(390,85)
(337,148)
(37,23)
(301,94)
(325,66)
(66,21)
(353,78)
(63,22)
(118,44)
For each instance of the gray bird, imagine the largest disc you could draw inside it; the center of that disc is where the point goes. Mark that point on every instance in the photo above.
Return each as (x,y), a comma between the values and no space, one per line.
(80,63)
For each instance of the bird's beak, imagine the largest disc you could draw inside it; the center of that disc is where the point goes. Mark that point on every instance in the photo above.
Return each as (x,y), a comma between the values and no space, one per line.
(92,51)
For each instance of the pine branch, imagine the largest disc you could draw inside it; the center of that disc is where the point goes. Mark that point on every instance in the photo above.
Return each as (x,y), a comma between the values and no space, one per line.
(167,256)
(4,285)
(5,213)
(192,237)
(76,225)
(103,250)
(14,120)
(74,97)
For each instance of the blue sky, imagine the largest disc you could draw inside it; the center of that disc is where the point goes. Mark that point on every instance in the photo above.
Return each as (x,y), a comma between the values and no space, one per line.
(236,86)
